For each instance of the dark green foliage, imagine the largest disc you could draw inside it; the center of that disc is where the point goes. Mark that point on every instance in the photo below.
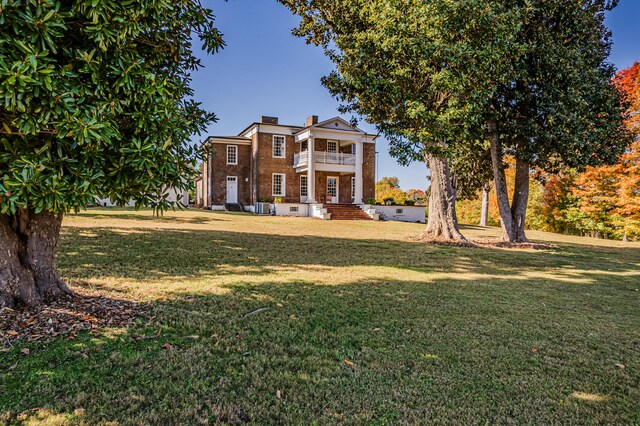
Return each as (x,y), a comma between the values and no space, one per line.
(402,65)
(559,108)
(95,100)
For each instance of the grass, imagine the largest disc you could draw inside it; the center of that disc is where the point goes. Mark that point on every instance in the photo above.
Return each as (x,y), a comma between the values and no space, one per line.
(363,326)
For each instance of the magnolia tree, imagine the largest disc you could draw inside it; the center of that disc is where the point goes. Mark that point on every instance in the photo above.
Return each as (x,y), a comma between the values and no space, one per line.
(96,101)
(401,66)
(558,107)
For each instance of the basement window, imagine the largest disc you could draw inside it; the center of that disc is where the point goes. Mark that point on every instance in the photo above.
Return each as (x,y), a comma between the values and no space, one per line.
(293,209)
(399,211)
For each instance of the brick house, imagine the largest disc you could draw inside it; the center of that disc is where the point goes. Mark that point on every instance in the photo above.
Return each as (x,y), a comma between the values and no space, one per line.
(307,169)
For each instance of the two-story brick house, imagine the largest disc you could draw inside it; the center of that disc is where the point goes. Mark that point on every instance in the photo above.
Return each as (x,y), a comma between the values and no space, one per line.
(320,163)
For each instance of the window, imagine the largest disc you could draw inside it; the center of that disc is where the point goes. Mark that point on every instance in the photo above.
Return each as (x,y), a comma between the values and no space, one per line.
(278,146)
(293,209)
(353,148)
(304,146)
(304,186)
(399,211)
(332,146)
(353,187)
(277,184)
(232,154)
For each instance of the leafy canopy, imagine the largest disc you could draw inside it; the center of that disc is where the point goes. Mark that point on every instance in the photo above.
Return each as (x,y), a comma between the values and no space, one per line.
(95,100)
(404,65)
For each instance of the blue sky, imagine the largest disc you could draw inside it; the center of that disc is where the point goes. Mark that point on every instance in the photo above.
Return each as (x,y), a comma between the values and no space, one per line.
(264,70)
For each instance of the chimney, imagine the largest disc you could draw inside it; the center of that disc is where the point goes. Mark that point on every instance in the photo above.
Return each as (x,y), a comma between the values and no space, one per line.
(311,121)
(268,120)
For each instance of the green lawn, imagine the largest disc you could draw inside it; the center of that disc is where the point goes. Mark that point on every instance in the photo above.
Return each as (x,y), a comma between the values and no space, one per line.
(363,326)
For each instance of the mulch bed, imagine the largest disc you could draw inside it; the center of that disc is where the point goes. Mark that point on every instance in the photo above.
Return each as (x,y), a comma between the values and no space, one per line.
(487,243)
(515,246)
(86,310)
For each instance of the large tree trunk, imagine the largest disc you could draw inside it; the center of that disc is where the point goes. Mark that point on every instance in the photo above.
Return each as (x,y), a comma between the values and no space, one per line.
(520,200)
(442,223)
(28,273)
(512,215)
(484,214)
(502,195)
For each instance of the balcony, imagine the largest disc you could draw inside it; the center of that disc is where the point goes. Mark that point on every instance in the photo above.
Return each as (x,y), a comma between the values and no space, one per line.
(321,157)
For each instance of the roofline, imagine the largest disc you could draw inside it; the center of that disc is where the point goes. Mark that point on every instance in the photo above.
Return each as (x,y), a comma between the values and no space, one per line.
(239,138)
(335,118)
(266,124)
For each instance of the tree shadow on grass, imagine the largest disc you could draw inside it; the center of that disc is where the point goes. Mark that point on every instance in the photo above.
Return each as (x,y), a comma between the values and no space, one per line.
(366,351)
(203,218)
(354,331)
(144,254)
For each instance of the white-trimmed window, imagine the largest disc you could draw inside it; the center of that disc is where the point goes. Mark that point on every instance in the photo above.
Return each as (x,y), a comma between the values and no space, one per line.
(304,186)
(332,146)
(353,187)
(279,148)
(232,154)
(278,184)
(304,146)
(353,148)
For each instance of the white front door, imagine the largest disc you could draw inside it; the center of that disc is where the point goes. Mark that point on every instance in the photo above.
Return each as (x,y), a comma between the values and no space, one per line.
(232,189)
(332,189)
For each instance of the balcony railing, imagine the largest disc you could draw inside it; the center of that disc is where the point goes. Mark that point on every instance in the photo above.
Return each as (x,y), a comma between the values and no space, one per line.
(302,158)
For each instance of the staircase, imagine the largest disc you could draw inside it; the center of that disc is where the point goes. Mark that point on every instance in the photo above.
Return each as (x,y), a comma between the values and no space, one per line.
(346,212)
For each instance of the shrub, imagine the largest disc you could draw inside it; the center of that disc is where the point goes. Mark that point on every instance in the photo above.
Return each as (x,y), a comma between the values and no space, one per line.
(278,200)
(409,203)
(371,201)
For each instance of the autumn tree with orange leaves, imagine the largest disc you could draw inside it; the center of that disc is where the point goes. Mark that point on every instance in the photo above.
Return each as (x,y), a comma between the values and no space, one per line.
(609,196)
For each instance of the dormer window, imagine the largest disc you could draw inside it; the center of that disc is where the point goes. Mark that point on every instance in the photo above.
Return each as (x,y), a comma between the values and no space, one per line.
(279,150)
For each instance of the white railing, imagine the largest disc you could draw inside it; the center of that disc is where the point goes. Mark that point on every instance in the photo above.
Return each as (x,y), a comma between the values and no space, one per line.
(340,158)
(301,158)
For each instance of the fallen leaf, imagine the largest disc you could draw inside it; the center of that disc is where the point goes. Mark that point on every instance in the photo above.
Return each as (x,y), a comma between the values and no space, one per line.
(346,361)
(79,412)
(25,351)
(377,329)
(278,394)
(12,333)
(279,305)
(13,367)
(617,364)
(167,346)
(534,350)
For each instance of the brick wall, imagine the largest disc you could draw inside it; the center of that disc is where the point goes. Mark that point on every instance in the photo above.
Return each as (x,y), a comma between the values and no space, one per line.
(267,165)
(220,170)
(321,145)
(256,166)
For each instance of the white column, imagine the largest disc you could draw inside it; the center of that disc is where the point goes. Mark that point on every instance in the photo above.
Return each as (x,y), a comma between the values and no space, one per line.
(359,159)
(311,172)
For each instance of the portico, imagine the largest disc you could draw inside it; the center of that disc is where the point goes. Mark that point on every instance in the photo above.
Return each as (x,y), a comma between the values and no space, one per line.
(331,155)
